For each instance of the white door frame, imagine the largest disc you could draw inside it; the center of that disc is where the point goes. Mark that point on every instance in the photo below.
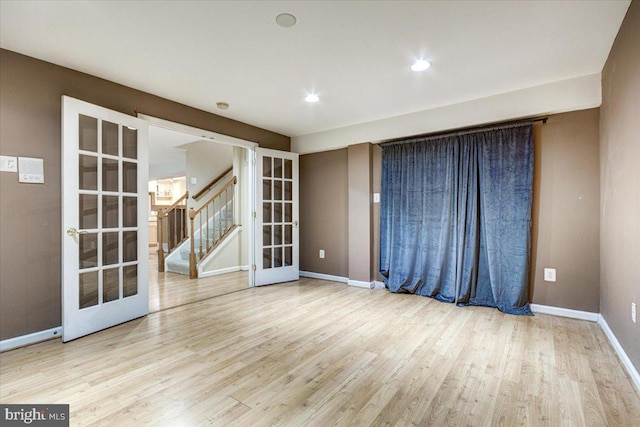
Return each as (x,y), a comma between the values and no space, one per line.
(228,140)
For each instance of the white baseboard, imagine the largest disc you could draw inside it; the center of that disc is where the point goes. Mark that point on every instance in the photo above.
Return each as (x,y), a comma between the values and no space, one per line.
(244,267)
(219,271)
(379,285)
(360,284)
(322,276)
(33,338)
(633,372)
(565,312)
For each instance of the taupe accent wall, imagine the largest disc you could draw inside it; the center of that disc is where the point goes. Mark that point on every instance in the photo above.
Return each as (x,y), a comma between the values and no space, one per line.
(360,205)
(30,125)
(565,209)
(565,228)
(324,212)
(620,185)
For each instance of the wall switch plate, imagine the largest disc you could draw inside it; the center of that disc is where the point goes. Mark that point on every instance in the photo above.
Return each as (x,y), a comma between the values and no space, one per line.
(376,197)
(633,312)
(194,180)
(321,255)
(549,274)
(8,164)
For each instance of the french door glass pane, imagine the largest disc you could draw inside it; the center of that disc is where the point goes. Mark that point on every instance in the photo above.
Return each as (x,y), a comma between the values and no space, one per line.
(129,142)
(129,177)
(266,166)
(88,211)
(277,257)
(266,258)
(288,169)
(288,212)
(130,246)
(266,189)
(288,232)
(88,172)
(88,250)
(277,190)
(109,138)
(110,284)
(266,213)
(88,133)
(129,280)
(288,192)
(109,248)
(277,167)
(277,234)
(277,212)
(266,235)
(88,289)
(288,256)
(109,211)
(109,175)
(129,211)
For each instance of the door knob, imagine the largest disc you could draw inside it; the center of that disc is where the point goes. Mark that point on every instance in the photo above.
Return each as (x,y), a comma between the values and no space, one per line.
(73,232)
(295,224)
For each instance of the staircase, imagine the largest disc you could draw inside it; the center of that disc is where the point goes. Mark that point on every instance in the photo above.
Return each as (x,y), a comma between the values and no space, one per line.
(208,228)
(180,264)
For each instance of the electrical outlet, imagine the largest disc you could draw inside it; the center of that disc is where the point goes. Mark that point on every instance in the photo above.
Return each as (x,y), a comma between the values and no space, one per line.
(633,312)
(321,255)
(549,274)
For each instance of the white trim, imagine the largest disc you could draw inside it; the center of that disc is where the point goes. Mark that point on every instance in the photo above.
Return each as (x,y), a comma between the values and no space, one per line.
(565,312)
(626,362)
(21,341)
(379,285)
(214,253)
(204,134)
(322,276)
(360,284)
(218,272)
(244,267)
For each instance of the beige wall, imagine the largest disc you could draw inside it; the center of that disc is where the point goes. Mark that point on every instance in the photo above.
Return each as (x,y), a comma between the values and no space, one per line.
(360,205)
(620,185)
(324,212)
(565,209)
(565,229)
(30,118)
(205,162)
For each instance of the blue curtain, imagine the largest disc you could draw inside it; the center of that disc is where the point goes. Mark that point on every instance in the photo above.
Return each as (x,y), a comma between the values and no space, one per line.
(455,217)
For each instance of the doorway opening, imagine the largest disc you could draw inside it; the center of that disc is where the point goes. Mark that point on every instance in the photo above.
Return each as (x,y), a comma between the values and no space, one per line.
(188,168)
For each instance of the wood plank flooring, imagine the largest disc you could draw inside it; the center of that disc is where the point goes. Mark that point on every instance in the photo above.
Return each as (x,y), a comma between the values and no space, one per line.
(320,353)
(168,290)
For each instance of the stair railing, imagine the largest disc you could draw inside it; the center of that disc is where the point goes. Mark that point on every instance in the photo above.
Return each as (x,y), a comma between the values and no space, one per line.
(211,223)
(172,222)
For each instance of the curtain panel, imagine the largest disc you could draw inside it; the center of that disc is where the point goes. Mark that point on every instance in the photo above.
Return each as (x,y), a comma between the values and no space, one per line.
(455,220)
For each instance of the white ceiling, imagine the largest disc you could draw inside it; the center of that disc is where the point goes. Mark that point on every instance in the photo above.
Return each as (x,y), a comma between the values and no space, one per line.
(355,55)
(167,156)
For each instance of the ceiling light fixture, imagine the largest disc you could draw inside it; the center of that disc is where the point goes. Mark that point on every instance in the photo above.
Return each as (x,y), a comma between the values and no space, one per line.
(312,97)
(420,65)
(222,105)
(286,20)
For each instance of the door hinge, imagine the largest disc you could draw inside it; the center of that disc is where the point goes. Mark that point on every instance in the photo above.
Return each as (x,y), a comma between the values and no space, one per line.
(254,214)
(253,267)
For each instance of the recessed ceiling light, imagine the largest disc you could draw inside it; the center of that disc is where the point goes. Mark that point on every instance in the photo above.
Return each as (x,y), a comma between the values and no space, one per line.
(312,97)
(222,105)
(420,65)
(286,20)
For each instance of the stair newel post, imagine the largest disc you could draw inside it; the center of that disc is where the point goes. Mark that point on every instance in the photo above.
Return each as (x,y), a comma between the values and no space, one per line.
(160,215)
(193,269)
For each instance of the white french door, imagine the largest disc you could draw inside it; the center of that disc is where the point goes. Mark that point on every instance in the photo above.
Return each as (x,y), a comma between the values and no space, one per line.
(276,226)
(104,218)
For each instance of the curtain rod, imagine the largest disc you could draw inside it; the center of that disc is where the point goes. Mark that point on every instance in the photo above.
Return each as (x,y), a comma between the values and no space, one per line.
(463,129)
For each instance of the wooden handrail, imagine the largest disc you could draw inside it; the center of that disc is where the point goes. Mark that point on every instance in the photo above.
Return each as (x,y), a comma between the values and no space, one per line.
(177,203)
(208,187)
(232,181)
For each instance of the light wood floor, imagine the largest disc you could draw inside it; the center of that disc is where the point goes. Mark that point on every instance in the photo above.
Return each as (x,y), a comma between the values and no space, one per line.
(168,290)
(320,353)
